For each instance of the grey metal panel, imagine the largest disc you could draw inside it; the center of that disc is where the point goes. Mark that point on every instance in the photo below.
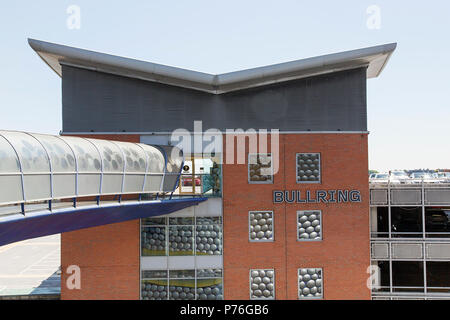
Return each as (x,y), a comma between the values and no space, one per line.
(437,196)
(437,250)
(154,263)
(407,251)
(380,250)
(378,196)
(181,262)
(109,103)
(209,261)
(406,196)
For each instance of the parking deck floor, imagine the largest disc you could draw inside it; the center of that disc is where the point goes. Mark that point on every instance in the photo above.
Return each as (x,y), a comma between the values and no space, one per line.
(31,267)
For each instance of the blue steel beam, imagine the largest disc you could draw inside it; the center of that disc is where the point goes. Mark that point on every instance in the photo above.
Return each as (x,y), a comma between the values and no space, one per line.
(37,224)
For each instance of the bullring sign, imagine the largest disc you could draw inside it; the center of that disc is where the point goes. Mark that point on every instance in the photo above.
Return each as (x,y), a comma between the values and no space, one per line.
(318,196)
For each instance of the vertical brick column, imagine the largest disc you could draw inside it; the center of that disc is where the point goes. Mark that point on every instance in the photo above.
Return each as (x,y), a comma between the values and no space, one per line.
(108,256)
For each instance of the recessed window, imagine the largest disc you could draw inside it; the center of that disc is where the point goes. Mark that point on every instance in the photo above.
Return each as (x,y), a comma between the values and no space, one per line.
(208,236)
(407,276)
(183,236)
(260,226)
(153,237)
(437,222)
(310,284)
(438,277)
(309,225)
(380,276)
(308,168)
(406,222)
(262,284)
(260,168)
(379,225)
(200,284)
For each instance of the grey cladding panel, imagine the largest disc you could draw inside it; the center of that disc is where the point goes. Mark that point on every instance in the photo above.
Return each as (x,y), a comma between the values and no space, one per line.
(107,103)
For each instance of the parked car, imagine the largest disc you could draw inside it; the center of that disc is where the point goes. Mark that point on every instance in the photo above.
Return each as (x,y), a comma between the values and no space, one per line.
(418,177)
(380,178)
(187,182)
(443,177)
(399,176)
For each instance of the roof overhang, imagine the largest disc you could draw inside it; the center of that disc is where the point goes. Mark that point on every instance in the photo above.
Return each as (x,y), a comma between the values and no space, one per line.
(373,58)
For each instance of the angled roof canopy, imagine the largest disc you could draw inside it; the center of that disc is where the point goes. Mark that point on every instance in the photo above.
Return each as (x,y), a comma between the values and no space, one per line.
(374,58)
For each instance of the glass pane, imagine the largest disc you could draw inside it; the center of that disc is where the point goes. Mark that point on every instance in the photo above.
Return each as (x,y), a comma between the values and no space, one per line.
(260,168)
(262,284)
(181,241)
(8,158)
(203,166)
(260,226)
(406,221)
(31,153)
(208,220)
(154,289)
(111,155)
(308,167)
(209,273)
(309,225)
(381,277)
(182,289)
(310,283)
(438,274)
(156,159)
(174,159)
(208,236)
(211,182)
(182,274)
(181,221)
(88,158)
(380,223)
(437,222)
(154,274)
(153,221)
(62,157)
(407,274)
(153,241)
(209,289)
(135,158)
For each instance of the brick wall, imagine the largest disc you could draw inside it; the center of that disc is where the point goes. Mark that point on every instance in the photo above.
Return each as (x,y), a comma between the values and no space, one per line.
(344,252)
(108,256)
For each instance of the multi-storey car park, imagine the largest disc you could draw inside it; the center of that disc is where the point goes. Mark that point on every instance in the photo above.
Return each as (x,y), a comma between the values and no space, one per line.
(285,221)
(409,236)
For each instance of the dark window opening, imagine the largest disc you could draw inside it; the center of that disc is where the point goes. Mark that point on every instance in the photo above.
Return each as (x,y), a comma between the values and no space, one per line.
(407,221)
(438,276)
(383,276)
(407,276)
(437,222)
(382,223)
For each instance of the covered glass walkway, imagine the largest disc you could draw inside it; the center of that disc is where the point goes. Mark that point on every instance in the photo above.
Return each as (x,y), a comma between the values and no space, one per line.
(52,184)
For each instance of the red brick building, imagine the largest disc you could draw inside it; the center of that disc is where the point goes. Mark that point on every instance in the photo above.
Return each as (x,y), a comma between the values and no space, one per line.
(289,222)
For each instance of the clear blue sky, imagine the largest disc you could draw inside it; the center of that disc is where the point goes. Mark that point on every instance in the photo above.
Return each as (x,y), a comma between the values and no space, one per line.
(408,106)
